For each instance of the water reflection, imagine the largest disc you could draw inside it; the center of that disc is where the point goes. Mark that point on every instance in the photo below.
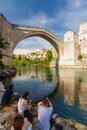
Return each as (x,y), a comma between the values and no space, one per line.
(39,82)
(75,87)
(66,88)
(71,99)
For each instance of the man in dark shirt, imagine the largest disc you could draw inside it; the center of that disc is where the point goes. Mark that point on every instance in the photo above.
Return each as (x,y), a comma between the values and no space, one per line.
(8,95)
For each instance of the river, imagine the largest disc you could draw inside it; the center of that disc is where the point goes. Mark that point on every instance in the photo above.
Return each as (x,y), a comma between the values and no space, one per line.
(66,88)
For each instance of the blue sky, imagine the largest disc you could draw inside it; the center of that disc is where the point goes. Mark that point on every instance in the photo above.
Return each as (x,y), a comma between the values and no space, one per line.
(57,16)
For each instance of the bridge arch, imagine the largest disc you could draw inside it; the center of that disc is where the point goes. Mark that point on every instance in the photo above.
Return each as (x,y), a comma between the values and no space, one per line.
(45,37)
(24,33)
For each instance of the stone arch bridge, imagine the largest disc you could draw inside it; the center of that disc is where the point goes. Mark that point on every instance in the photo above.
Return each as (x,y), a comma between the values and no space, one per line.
(16,33)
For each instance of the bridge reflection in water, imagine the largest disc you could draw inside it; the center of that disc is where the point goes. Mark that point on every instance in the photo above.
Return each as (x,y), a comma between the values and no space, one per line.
(71,99)
(66,88)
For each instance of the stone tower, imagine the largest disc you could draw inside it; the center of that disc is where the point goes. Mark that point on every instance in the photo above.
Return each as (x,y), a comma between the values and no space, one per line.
(70,48)
(83,39)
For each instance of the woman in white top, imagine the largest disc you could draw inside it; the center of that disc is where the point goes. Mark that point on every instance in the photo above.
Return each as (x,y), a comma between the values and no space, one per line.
(21,123)
(23,103)
(23,106)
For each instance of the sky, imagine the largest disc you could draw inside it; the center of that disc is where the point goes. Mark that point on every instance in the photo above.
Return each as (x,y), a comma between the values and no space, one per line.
(56,16)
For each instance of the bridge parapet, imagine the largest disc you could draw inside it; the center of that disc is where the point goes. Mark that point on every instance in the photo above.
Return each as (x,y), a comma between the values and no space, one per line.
(35,28)
(25,32)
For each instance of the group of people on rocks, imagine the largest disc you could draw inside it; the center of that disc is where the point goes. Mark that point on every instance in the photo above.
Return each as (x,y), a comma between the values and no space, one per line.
(24,119)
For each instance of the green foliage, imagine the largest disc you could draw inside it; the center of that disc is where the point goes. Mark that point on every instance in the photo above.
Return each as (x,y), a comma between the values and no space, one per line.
(37,62)
(80,57)
(15,62)
(49,55)
(33,53)
(48,74)
(19,57)
(13,56)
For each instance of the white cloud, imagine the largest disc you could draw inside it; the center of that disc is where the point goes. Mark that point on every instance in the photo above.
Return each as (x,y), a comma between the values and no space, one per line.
(74,3)
(72,15)
(20,51)
(40,20)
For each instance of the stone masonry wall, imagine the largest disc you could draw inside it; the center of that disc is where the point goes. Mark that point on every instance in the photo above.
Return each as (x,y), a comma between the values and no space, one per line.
(5,30)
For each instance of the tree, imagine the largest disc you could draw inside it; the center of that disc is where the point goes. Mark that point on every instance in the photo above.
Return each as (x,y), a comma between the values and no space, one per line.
(49,55)
(33,53)
(13,56)
(19,57)
(80,57)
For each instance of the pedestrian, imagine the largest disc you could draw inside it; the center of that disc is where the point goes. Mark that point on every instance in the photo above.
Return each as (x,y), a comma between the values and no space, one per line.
(21,123)
(45,117)
(9,96)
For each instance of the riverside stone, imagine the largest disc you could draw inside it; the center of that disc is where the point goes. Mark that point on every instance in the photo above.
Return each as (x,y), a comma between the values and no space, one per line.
(7,71)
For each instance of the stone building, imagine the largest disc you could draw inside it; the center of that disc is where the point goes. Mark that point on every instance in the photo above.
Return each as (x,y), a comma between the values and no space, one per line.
(83,39)
(74,45)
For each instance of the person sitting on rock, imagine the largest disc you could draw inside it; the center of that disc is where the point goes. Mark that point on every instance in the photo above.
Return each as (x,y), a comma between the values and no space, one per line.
(45,117)
(9,96)
(24,106)
(21,123)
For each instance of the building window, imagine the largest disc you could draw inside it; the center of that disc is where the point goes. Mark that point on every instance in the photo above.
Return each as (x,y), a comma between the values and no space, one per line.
(84,39)
(80,40)
(68,38)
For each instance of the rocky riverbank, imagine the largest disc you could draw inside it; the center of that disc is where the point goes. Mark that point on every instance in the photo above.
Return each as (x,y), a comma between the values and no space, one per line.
(8,113)
(7,71)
